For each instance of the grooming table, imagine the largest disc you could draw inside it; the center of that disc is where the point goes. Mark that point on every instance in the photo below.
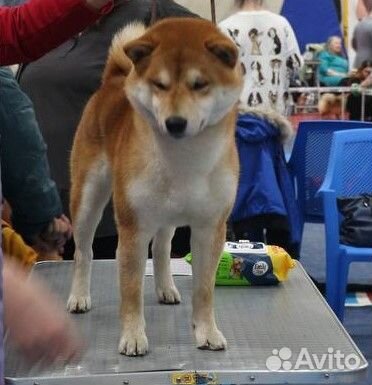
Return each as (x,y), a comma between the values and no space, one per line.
(254,320)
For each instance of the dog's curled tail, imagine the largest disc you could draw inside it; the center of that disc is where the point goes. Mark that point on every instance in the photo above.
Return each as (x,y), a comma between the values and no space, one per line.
(118,62)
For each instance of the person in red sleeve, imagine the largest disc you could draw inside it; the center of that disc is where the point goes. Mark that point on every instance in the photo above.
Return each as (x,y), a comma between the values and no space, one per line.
(32,29)
(33,320)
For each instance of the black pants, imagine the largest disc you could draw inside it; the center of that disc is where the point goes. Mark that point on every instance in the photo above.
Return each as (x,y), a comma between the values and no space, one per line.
(105,247)
(354,107)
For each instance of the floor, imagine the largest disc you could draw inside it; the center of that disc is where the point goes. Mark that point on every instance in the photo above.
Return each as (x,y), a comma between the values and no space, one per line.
(358,321)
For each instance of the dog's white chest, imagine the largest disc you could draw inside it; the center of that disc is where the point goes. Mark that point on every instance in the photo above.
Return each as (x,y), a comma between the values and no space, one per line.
(181,198)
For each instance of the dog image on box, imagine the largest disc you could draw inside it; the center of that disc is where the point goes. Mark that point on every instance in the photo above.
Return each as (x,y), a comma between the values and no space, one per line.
(159,136)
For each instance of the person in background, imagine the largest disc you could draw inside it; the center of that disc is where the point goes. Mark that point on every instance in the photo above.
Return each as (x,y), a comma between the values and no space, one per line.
(362,79)
(26,183)
(367,82)
(25,174)
(59,85)
(11,3)
(361,9)
(269,52)
(38,25)
(362,37)
(333,66)
(203,8)
(264,209)
(32,319)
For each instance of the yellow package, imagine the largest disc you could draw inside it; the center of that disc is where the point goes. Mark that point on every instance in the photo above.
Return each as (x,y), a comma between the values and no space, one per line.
(252,263)
(282,262)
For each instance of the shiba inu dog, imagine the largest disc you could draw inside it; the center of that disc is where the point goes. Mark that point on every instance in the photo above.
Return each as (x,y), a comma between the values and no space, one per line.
(159,136)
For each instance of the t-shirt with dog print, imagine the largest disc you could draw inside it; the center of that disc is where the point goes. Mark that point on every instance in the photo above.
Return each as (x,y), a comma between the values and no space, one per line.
(268,52)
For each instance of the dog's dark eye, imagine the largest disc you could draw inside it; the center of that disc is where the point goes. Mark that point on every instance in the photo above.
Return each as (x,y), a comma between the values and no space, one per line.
(159,85)
(200,85)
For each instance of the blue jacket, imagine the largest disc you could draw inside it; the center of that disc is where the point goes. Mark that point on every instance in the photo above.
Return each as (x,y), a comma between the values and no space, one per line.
(26,182)
(265,186)
(329,61)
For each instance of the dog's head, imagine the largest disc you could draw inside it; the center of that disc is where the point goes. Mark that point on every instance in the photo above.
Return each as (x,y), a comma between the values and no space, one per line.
(185,76)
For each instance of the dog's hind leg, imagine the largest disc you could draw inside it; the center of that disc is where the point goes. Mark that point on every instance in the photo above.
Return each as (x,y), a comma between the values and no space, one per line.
(90,192)
(164,283)
(206,247)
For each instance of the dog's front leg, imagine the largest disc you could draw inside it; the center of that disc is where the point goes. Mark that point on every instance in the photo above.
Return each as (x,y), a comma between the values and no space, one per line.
(132,255)
(206,247)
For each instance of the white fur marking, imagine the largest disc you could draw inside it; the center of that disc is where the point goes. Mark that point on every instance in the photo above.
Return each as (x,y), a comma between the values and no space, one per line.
(94,197)
(192,75)
(164,78)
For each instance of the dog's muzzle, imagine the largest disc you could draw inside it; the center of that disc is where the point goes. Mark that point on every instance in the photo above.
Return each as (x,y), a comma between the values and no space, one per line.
(176,126)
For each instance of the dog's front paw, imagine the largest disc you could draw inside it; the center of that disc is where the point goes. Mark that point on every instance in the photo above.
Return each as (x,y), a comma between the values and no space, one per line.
(209,338)
(133,344)
(168,294)
(79,304)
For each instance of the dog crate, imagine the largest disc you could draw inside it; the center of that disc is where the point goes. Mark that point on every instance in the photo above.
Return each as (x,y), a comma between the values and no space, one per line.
(282,334)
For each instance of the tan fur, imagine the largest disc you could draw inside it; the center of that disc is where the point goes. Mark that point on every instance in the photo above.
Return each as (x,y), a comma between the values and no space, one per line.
(161,179)
(330,106)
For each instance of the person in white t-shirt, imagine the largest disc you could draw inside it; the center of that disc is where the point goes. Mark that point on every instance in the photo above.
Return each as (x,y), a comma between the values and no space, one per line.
(268,51)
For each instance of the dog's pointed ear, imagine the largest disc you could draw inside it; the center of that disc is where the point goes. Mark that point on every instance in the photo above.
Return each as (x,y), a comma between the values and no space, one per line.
(138,49)
(224,50)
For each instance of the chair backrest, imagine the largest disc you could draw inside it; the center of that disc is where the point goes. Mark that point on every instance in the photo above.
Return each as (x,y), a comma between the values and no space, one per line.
(349,171)
(309,160)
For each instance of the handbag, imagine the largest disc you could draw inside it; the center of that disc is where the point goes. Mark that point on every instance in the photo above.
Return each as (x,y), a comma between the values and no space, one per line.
(356,226)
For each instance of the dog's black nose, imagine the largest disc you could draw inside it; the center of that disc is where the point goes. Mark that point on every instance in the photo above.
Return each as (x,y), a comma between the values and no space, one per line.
(176,126)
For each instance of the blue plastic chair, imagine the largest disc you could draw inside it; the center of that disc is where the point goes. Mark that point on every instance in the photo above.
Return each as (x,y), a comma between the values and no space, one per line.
(308,163)
(349,174)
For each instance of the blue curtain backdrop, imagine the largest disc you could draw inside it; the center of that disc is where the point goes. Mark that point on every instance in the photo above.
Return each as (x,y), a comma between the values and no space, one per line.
(312,20)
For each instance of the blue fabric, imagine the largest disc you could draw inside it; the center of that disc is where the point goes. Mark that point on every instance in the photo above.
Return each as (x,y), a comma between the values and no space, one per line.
(265,186)
(312,21)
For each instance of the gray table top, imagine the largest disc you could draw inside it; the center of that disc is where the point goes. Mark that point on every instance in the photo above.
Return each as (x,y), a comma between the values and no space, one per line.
(288,325)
